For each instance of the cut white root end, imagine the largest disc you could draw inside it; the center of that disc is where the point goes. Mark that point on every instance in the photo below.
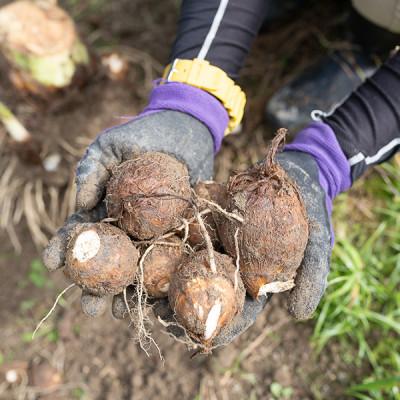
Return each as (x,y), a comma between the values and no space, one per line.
(276,287)
(52,162)
(199,310)
(11,376)
(212,320)
(164,288)
(87,245)
(116,65)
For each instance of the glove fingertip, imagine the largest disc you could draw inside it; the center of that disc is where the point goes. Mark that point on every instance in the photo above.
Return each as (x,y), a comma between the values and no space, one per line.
(88,196)
(304,299)
(93,306)
(118,307)
(53,255)
(301,311)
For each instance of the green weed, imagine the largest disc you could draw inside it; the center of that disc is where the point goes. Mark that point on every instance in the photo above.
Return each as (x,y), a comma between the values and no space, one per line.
(374,387)
(38,275)
(280,392)
(27,305)
(78,393)
(361,307)
(49,333)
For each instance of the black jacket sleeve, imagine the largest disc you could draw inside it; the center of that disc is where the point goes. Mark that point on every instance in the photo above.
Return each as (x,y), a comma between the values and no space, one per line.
(367,124)
(219,31)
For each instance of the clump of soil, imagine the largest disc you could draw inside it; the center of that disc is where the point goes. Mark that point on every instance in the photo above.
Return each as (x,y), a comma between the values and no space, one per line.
(216,193)
(159,265)
(149,195)
(274,234)
(101,259)
(203,300)
(44,377)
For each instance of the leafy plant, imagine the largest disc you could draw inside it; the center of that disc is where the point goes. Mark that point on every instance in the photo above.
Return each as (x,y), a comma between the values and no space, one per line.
(78,393)
(374,387)
(361,307)
(27,305)
(38,274)
(280,392)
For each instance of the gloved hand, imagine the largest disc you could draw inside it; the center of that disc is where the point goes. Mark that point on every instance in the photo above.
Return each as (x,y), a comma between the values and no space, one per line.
(54,253)
(312,275)
(171,132)
(190,135)
(318,166)
(316,162)
(311,278)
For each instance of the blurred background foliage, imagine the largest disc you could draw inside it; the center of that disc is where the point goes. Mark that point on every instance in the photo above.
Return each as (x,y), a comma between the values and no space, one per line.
(361,308)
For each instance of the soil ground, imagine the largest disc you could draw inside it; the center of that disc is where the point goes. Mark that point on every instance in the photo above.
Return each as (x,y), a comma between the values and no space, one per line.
(96,358)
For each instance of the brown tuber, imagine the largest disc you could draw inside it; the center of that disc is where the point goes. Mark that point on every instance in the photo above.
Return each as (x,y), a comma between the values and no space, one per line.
(216,193)
(159,265)
(101,259)
(149,195)
(274,234)
(204,301)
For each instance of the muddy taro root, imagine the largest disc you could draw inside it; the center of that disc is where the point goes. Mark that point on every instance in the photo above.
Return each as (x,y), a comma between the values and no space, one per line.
(101,259)
(159,265)
(204,301)
(274,234)
(149,195)
(215,192)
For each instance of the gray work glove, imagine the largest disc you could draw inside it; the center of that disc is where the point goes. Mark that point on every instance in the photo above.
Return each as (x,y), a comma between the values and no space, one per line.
(311,279)
(171,132)
(312,275)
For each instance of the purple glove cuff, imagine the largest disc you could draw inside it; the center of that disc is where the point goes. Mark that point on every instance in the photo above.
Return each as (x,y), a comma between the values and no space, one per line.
(193,101)
(319,140)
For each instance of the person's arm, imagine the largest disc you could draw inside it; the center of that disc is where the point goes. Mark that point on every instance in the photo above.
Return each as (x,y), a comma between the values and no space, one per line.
(180,119)
(367,124)
(219,31)
(327,157)
(213,39)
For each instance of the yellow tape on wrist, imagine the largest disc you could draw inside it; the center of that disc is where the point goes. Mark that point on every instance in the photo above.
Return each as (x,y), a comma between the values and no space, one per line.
(203,75)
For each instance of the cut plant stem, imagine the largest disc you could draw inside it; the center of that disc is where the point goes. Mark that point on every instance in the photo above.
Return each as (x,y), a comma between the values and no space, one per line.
(24,144)
(14,127)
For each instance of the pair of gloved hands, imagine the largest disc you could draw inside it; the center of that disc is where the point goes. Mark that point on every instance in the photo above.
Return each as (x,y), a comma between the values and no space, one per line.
(189,140)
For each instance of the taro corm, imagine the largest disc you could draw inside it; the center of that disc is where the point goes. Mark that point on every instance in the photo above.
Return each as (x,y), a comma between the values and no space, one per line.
(42,47)
(274,234)
(149,195)
(205,300)
(160,264)
(101,259)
